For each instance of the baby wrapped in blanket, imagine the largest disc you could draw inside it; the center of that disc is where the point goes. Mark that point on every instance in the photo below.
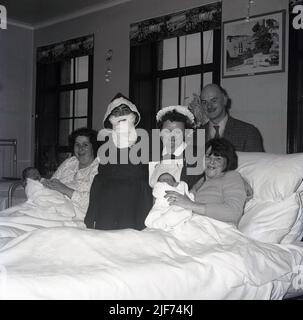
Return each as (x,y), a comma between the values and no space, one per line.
(43,208)
(163,215)
(44,202)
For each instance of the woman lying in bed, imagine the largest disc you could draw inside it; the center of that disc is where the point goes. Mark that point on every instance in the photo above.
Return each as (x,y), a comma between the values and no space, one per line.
(220,193)
(75,175)
(60,201)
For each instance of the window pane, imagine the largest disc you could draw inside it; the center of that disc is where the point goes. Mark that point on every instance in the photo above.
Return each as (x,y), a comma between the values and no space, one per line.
(81,69)
(208,46)
(65,129)
(81,97)
(207,78)
(66,104)
(190,50)
(67,72)
(190,84)
(79,123)
(170,92)
(169,55)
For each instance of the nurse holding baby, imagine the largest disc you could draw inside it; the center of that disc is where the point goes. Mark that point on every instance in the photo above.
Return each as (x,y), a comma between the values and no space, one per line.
(219,192)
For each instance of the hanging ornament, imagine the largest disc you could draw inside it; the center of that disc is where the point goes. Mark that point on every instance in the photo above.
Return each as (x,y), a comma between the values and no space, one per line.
(108,59)
(249,4)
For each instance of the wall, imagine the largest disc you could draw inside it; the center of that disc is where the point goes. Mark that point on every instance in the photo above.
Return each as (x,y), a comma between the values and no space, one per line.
(255,99)
(16,76)
(261,99)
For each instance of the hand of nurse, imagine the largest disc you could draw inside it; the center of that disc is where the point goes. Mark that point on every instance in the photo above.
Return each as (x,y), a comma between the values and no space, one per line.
(177,199)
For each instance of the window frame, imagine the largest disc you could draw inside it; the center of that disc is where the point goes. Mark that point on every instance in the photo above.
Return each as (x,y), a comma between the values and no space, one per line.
(73,87)
(155,75)
(44,88)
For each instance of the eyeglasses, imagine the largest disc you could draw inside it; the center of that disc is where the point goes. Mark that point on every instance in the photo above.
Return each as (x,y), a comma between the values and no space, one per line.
(121,111)
(215,159)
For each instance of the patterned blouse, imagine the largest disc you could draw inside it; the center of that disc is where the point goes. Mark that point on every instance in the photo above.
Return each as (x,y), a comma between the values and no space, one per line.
(78,179)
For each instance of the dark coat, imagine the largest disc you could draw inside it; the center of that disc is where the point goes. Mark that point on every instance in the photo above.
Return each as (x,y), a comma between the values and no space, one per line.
(244,136)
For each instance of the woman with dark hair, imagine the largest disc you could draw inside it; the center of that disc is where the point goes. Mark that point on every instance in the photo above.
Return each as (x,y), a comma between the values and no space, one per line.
(172,114)
(75,175)
(90,134)
(220,193)
(173,121)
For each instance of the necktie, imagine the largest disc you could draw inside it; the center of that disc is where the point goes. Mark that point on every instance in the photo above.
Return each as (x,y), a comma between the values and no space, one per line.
(217,134)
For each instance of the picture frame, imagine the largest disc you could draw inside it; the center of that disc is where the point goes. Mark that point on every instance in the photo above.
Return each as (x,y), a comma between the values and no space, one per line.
(254,46)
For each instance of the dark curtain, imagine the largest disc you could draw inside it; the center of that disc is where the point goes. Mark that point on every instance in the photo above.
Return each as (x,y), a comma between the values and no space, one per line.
(143,82)
(295,88)
(47,109)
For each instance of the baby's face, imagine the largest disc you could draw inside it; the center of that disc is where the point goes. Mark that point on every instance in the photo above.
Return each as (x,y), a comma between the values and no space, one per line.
(34,174)
(168,178)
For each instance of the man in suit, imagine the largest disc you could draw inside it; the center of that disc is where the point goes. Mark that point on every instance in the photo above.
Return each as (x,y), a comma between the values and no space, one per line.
(214,101)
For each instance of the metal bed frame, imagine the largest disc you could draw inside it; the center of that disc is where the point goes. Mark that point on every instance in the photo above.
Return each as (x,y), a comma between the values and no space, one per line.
(11,191)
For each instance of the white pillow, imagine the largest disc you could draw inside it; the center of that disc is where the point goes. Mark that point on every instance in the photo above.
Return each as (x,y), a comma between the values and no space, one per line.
(269,221)
(272,177)
(296,232)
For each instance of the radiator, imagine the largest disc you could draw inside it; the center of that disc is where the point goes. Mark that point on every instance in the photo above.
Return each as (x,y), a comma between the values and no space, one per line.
(8,158)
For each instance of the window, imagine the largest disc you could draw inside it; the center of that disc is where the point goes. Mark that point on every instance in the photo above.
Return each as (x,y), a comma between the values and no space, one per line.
(185,65)
(172,57)
(73,101)
(64,99)
(169,71)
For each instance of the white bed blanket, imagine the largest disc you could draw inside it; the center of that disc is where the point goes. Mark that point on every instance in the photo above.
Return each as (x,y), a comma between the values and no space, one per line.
(207,259)
(44,208)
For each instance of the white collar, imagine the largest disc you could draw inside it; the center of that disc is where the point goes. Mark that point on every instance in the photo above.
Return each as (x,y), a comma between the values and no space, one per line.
(177,152)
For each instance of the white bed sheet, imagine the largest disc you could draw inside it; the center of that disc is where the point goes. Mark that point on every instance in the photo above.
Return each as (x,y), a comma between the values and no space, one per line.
(206,259)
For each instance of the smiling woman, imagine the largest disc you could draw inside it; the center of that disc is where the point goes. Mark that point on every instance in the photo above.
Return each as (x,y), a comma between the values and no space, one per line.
(220,193)
(75,175)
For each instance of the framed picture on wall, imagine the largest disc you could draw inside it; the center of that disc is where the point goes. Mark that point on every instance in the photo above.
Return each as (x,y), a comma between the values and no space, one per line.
(256,46)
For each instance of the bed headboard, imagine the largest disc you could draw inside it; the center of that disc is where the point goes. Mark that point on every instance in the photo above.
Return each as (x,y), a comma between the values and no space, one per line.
(8,158)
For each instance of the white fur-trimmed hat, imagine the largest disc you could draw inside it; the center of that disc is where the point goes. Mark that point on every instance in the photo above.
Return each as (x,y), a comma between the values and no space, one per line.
(117,101)
(179,109)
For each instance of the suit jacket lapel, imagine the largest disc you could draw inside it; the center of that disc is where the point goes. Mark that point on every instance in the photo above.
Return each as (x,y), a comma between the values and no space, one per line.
(228,128)
(206,127)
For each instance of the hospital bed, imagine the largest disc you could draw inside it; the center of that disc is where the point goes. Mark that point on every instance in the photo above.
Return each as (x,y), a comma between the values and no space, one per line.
(207,259)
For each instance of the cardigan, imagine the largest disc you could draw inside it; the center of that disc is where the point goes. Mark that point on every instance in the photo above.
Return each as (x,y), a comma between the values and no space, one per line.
(224,197)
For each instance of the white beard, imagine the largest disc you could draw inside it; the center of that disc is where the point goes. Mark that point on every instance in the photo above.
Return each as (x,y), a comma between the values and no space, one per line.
(124,132)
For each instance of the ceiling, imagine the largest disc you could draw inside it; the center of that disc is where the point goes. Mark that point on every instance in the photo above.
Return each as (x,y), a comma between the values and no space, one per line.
(43,12)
